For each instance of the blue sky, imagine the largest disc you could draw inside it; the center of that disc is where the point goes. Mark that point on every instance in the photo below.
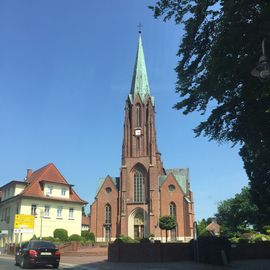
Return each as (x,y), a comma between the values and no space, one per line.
(65,72)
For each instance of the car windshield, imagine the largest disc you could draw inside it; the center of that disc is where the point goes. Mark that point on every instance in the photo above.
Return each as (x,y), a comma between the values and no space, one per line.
(42,244)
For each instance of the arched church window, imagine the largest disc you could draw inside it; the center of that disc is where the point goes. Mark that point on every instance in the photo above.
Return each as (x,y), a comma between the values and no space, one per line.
(172,209)
(138,115)
(108,214)
(138,187)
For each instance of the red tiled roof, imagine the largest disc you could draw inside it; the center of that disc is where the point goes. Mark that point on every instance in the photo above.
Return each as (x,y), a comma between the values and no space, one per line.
(214,227)
(85,220)
(51,174)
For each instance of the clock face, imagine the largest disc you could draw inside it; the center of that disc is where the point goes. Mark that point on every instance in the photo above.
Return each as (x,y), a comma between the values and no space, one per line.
(137,132)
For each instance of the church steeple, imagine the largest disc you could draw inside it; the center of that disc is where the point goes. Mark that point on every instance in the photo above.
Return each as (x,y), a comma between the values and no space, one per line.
(139,85)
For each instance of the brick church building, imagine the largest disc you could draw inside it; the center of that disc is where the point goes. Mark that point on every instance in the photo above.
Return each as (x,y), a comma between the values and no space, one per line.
(132,204)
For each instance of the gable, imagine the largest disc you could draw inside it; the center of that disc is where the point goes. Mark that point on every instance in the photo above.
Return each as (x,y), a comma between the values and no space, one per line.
(49,174)
(180,175)
(102,181)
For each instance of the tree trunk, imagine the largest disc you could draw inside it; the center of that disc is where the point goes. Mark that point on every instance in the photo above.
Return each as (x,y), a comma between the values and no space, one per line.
(166,235)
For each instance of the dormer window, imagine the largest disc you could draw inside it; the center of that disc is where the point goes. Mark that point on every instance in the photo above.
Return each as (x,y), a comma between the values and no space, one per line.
(63,191)
(49,190)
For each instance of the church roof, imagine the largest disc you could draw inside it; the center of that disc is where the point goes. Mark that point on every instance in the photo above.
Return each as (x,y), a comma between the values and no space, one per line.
(140,85)
(181,176)
(101,180)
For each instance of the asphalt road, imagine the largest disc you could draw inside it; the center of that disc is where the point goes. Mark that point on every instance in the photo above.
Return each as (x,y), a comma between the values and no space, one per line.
(7,263)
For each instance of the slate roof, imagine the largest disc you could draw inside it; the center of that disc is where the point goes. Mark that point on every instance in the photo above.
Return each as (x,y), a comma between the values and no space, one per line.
(101,180)
(51,174)
(181,176)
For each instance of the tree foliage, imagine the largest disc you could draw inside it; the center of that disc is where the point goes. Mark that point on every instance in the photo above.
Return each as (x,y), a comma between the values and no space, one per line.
(61,234)
(237,215)
(167,223)
(220,46)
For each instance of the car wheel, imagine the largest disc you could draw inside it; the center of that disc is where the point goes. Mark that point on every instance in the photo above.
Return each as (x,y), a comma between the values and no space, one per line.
(23,264)
(56,266)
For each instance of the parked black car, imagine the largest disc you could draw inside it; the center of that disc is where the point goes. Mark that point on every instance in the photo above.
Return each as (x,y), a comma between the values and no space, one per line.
(37,253)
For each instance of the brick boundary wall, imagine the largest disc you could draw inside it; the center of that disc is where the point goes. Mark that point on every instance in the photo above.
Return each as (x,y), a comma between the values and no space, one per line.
(173,252)
(150,252)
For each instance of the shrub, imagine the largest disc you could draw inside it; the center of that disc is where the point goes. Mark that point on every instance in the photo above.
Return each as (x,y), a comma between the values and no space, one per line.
(266,229)
(75,237)
(61,234)
(48,238)
(145,240)
(259,238)
(127,239)
(234,240)
(34,237)
(88,236)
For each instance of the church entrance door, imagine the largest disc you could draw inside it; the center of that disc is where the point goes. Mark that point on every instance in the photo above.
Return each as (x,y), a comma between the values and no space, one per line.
(138,226)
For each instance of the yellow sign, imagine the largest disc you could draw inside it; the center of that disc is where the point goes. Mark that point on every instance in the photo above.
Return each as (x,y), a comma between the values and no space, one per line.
(24,222)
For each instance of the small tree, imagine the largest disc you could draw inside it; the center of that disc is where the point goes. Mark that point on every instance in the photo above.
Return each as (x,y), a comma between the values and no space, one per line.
(167,223)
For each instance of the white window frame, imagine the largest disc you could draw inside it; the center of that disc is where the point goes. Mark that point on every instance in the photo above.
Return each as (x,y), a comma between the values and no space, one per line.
(59,211)
(71,213)
(47,211)
(33,209)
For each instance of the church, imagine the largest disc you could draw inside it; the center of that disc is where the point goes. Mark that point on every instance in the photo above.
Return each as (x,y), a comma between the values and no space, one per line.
(132,203)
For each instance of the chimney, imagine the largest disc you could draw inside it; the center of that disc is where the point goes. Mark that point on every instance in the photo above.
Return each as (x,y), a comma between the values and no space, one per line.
(29,173)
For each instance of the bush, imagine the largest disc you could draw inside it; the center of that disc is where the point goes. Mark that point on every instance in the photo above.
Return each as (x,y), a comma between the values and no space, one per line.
(126,239)
(34,237)
(266,229)
(259,238)
(88,236)
(48,238)
(75,237)
(145,240)
(234,240)
(61,234)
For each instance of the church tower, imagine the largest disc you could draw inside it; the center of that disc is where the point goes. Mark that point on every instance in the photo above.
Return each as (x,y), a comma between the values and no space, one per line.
(141,162)
(132,204)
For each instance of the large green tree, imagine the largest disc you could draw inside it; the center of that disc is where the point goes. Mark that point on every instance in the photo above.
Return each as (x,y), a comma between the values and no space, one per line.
(238,214)
(220,46)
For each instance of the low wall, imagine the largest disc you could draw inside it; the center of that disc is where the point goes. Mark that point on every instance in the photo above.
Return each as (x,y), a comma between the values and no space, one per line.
(70,246)
(150,252)
(172,252)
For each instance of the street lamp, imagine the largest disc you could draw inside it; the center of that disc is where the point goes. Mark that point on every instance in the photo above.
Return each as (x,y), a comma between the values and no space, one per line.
(41,213)
(262,70)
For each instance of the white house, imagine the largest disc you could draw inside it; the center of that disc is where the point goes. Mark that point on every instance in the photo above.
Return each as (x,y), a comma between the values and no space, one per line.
(47,196)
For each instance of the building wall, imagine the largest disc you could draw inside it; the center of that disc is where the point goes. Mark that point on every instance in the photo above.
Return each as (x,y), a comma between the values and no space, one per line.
(97,219)
(52,222)
(43,226)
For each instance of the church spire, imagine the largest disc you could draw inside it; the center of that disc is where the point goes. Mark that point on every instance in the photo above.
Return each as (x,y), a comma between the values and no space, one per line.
(140,85)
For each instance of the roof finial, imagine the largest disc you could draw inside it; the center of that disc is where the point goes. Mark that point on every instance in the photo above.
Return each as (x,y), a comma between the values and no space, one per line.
(140,28)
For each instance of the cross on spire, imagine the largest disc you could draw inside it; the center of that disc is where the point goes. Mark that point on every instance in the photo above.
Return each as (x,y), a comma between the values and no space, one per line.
(140,28)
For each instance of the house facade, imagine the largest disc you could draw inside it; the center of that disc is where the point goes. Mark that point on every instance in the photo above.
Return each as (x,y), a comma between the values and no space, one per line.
(44,194)
(132,203)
